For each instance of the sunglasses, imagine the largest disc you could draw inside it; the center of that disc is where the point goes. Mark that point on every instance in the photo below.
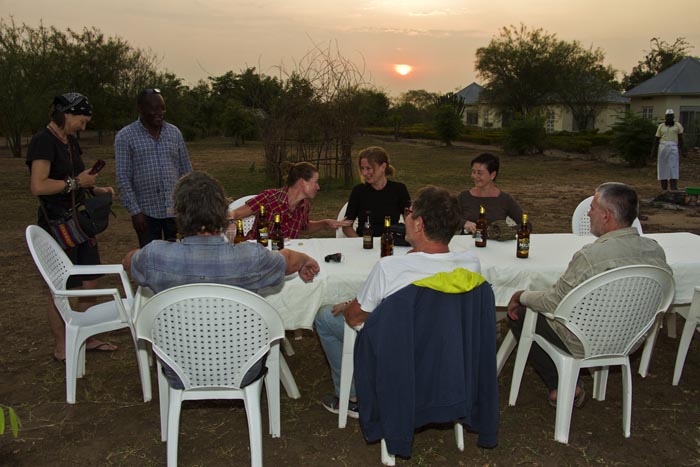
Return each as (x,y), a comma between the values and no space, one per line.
(151,91)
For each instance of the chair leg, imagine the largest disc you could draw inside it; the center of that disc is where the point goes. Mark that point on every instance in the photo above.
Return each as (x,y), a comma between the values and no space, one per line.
(387,459)
(287,346)
(600,383)
(683,346)
(649,347)
(671,323)
(253,414)
(290,385)
(346,372)
(521,356)
(568,375)
(272,389)
(504,351)
(626,398)
(144,370)
(174,406)
(459,436)
(72,363)
(163,402)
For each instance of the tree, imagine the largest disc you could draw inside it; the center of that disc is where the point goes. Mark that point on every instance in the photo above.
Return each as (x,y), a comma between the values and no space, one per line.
(526,69)
(633,138)
(447,119)
(661,56)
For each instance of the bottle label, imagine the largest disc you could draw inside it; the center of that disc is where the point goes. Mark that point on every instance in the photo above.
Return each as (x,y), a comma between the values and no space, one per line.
(478,236)
(523,246)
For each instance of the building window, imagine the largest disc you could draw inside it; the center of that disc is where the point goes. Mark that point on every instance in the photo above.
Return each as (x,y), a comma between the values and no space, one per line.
(485,119)
(472,117)
(549,122)
(648,113)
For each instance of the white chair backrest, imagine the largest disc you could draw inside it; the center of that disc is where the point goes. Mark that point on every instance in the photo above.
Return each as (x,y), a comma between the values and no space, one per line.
(581,223)
(249,221)
(612,311)
(52,262)
(341,215)
(209,334)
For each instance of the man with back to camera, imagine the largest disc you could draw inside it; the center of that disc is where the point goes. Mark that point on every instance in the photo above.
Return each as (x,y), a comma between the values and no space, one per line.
(667,144)
(613,210)
(150,157)
(430,225)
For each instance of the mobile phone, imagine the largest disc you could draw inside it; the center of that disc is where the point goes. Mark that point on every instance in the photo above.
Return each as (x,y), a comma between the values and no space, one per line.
(99,165)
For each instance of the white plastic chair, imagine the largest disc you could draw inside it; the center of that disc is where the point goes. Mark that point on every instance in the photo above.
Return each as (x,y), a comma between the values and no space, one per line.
(610,314)
(692,321)
(55,267)
(581,223)
(249,221)
(228,331)
(341,215)
(347,368)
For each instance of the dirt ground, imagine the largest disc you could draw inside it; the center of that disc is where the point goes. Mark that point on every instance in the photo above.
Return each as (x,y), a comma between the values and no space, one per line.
(111,425)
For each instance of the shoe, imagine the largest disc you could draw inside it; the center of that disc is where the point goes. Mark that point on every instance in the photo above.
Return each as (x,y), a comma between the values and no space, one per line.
(332,404)
(578,400)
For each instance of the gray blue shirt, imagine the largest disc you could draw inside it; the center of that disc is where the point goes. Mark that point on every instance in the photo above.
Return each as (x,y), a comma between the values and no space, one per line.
(148,168)
(200,259)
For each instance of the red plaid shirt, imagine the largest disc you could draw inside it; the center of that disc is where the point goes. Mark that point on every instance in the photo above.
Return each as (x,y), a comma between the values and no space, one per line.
(276,202)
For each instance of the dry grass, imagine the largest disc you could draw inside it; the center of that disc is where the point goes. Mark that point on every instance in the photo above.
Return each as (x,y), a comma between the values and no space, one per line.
(110,425)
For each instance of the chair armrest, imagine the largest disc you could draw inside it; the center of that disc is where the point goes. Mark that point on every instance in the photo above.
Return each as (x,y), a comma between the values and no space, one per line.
(88,293)
(105,269)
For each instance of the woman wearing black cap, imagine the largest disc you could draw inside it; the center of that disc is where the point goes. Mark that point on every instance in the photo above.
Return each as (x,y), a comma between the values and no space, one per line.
(57,173)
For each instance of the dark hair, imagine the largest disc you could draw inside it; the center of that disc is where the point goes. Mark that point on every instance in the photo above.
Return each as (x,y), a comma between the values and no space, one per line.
(378,156)
(200,204)
(299,170)
(58,117)
(489,160)
(621,199)
(440,212)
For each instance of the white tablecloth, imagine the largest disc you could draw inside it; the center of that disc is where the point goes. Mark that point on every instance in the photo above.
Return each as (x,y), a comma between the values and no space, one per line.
(550,254)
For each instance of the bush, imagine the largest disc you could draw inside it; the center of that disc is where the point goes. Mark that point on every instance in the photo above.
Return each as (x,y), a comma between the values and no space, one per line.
(525,135)
(633,139)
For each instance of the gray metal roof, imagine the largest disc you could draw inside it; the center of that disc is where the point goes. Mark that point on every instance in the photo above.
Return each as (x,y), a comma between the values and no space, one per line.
(471,94)
(681,78)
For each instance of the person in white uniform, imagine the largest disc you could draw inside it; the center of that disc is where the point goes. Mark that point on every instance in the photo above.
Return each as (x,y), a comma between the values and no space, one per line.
(669,139)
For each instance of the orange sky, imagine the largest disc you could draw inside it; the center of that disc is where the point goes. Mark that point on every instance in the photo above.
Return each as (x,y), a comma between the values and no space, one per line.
(439,38)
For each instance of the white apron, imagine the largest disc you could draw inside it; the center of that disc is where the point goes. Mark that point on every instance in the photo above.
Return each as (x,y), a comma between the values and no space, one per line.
(667,161)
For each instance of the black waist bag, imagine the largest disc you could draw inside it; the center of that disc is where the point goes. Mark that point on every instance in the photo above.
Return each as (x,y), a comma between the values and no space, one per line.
(93,213)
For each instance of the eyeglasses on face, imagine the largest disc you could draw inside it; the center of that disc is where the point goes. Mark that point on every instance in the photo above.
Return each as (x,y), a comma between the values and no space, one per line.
(407,211)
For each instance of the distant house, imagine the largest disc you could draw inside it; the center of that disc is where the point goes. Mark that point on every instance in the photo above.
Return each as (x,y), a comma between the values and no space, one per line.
(677,88)
(558,117)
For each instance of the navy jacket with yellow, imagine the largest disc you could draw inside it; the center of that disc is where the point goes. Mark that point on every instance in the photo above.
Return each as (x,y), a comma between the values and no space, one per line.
(429,356)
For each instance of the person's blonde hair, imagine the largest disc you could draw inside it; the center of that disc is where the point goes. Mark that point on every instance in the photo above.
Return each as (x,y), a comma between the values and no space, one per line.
(378,156)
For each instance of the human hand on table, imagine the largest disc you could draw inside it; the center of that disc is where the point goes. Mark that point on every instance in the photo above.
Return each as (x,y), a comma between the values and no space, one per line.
(309,269)
(336,224)
(469,227)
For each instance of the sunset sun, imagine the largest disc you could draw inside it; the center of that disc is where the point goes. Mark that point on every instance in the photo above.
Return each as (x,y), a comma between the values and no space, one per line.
(403,69)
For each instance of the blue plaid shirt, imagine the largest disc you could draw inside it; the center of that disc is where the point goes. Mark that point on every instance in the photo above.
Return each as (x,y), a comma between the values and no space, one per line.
(200,259)
(148,168)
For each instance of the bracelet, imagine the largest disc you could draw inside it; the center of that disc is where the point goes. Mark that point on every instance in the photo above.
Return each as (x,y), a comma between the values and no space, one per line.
(68,185)
(72,184)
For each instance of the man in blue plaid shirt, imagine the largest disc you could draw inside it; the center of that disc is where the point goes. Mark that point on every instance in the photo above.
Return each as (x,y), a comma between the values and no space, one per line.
(150,157)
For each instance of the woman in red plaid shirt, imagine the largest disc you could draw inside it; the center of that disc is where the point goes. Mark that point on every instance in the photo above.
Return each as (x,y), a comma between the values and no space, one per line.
(291,202)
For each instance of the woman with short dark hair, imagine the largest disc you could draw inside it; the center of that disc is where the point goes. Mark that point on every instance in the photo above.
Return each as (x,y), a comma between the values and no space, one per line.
(57,176)
(498,204)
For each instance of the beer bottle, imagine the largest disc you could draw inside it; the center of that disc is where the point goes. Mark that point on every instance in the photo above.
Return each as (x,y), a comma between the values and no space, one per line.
(276,235)
(239,232)
(367,237)
(480,232)
(523,248)
(263,228)
(387,239)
